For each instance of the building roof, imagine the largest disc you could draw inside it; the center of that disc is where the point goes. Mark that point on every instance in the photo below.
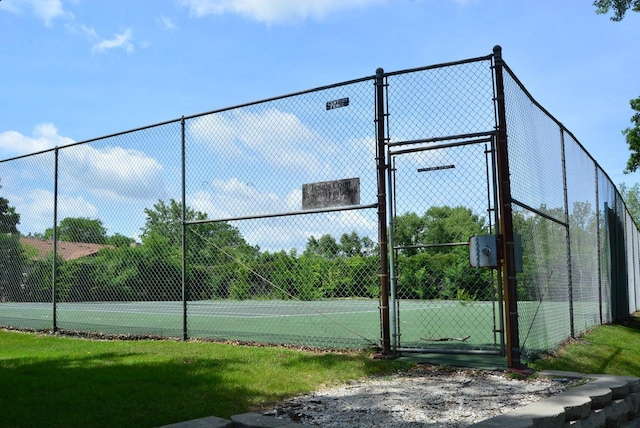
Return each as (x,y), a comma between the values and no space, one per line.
(66,250)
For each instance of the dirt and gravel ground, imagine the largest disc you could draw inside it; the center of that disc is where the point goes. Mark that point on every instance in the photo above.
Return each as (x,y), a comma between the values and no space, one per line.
(431,396)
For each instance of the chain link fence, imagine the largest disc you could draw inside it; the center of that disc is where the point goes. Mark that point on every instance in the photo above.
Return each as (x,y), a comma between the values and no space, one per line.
(580,245)
(262,223)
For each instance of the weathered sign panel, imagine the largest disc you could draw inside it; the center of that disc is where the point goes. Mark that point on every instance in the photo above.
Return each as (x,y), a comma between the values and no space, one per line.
(328,194)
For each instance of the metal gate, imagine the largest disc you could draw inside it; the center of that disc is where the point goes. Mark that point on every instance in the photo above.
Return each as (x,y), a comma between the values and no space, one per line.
(443,191)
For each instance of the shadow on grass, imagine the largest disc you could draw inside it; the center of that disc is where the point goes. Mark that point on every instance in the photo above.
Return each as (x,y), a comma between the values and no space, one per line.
(130,389)
(105,390)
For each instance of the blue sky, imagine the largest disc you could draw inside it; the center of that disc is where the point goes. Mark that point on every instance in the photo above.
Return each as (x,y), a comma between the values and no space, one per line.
(78,69)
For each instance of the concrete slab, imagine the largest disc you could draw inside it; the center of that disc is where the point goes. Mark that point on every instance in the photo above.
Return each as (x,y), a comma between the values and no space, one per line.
(208,422)
(256,420)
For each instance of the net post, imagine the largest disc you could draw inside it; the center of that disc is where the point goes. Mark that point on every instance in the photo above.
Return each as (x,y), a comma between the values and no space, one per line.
(506,218)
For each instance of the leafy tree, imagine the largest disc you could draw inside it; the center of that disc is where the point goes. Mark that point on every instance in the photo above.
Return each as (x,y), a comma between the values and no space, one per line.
(79,229)
(440,272)
(619,7)
(9,219)
(119,240)
(350,244)
(326,246)
(12,259)
(204,240)
(631,197)
(632,135)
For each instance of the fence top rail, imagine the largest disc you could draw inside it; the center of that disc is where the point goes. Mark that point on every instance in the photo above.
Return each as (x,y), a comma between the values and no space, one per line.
(441,65)
(563,129)
(77,143)
(293,94)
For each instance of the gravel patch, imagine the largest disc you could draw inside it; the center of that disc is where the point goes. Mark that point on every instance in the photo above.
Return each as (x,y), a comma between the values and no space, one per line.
(433,396)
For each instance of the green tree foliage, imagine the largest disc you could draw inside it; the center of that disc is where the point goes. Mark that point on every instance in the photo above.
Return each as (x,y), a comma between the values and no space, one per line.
(632,136)
(79,229)
(631,197)
(12,258)
(206,242)
(428,270)
(9,218)
(618,7)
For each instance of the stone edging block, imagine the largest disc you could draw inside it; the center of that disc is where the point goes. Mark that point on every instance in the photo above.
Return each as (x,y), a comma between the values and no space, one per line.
(605,401)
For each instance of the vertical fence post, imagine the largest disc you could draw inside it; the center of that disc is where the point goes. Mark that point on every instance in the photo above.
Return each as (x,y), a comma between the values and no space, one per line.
(572,328)
(506,219)
(382,212)
(598,240)
(54,265)
(185,288)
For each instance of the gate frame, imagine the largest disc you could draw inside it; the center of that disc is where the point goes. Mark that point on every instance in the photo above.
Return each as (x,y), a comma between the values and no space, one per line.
(469,140)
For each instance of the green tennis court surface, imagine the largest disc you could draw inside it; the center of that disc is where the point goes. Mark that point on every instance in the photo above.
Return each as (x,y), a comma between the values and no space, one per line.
(343,323)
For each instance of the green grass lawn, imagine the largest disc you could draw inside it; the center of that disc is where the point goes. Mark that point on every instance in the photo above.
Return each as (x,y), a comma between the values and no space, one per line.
(49,381)
(608,349)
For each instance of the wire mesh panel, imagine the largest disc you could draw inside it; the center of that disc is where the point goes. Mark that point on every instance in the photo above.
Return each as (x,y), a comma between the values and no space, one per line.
(261,222)
(442,195)
(543,285)
(115,255)
(535,153)
(583,229)
(607,200)
(441,101)
(25,275)
(274,272)
(437,209)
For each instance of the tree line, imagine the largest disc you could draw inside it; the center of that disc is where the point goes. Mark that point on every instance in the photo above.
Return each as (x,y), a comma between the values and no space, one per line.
(222,265)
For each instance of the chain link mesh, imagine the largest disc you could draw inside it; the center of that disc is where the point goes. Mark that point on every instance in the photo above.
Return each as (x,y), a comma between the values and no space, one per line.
(309,279)
(242,260)
(578,239)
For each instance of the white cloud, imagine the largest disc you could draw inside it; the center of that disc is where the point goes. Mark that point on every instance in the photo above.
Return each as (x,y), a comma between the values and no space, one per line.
(119,41)
(47,10)
(45,136)
(167,23)
(114,173)
(36,208)
(281,138)
(272,11)
(233,198)
(110,172)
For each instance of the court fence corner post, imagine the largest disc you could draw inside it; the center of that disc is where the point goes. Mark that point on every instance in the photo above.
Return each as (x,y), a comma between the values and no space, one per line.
(185,285)
(54,263)
(506,218)
(381,164)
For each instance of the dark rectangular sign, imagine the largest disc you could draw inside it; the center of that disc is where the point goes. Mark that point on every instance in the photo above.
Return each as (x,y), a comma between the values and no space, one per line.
(342,102)
(327,194)
(436,168)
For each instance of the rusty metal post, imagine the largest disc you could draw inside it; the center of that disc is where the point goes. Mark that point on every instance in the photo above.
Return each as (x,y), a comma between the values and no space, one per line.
(506,220)
(381,162)
(54,263)
(185,279)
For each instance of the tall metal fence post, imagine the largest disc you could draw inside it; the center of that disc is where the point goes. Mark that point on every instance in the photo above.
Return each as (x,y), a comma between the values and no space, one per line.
(185,288)
(598,240)
(382,212)
(54,264)
(572,328)
(506,219)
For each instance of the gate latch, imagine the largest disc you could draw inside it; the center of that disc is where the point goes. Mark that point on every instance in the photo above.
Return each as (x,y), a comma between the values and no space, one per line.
(483,251)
